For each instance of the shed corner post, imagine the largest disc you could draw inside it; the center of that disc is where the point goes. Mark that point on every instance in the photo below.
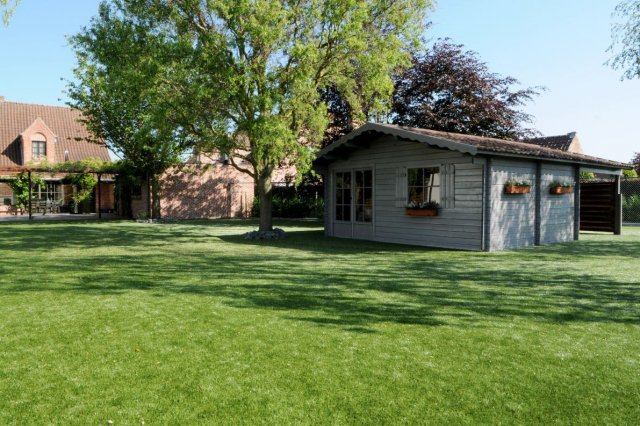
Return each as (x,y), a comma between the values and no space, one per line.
(617,220)
(486,210)
(576,204)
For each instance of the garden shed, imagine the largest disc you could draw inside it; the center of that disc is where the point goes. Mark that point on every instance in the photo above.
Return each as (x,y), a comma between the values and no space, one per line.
(492,194)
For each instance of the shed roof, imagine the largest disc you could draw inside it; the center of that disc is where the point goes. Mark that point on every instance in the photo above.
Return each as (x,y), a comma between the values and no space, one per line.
(71,135)
(469,144)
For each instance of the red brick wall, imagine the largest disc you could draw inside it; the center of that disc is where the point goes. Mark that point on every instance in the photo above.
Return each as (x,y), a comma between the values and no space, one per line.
(201,191)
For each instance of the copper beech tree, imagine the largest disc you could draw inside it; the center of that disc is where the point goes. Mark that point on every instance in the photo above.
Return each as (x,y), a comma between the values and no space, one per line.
(447,88)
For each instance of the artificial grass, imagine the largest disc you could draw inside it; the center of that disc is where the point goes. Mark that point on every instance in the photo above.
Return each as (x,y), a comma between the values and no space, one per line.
(190,324)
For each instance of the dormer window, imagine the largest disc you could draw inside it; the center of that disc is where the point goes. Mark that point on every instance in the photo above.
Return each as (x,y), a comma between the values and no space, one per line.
(38,146)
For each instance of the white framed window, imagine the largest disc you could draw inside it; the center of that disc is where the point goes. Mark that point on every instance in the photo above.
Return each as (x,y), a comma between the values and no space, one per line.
(364,195)
(423,185)
(343,196)
(354,196)
(38,146)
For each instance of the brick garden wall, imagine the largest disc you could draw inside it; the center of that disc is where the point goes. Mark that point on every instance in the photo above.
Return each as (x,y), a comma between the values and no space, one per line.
(196,191)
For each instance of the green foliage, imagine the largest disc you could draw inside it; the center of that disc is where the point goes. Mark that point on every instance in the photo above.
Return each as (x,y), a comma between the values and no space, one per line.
(631,208)
(89,165)
(7,7)
(427,205)
(626,39)
(561,184)
(517,182)
(84,182)
(292,205)
(630,173)
(20,187)
(242,77)
(587,175)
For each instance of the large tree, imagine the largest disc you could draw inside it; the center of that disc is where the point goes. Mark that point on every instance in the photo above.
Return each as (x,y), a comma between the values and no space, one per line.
(626,39)
(447,88)
(252,70)
(121,89)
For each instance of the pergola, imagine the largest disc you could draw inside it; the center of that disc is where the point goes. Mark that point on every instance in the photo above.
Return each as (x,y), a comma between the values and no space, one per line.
(63,168)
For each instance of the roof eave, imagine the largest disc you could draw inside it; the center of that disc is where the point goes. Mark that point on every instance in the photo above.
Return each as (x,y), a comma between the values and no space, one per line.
(398,133)
(584,162)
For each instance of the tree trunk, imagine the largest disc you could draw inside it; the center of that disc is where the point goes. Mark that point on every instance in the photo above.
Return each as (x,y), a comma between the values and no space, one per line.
(266,199)
(155,190)
(149,211)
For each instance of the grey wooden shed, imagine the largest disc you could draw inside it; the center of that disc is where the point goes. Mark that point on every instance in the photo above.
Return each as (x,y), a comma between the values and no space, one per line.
(372,173)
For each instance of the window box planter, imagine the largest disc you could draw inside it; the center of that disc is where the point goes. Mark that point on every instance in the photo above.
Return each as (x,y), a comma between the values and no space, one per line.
(421,212)
(558,190)
(513,189)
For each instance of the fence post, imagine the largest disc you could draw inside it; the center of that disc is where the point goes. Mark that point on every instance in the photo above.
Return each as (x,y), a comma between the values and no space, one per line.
(617,221)
(30,194)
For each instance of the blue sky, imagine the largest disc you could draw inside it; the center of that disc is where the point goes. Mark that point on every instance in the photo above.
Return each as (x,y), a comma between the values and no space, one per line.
(557,44)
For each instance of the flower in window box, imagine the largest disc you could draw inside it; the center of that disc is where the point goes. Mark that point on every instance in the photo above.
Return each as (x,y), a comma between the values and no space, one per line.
(427,208)
(517,186)
(558,187)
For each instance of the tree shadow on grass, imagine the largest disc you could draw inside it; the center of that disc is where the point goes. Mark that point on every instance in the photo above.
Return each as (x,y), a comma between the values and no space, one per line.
(334,282)
(357,290)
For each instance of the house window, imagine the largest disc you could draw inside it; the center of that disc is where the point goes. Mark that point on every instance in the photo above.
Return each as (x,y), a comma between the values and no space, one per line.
(38,146)
(343,196)
(364,195)
(423,184)
(50,191)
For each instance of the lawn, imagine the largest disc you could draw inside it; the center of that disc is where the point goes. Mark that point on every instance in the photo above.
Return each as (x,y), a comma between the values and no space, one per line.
(188,323)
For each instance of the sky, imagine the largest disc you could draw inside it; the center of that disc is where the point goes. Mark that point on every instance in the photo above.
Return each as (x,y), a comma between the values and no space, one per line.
(560,45)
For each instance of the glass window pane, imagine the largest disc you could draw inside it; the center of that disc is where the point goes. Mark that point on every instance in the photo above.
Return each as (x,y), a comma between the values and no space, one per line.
(347,196)
(347,213)
(368,178)
(412,177)
(347,180)
(338,212)
(359,214)
(359,178)
(368,196)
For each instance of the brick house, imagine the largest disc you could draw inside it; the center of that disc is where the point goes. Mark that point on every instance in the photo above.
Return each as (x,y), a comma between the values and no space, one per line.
(204,187)
(30,134)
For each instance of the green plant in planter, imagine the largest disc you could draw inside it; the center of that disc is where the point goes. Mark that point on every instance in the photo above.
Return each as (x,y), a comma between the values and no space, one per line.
(561,184)
(427,205)
(20,187)
(84,182)
(517,182)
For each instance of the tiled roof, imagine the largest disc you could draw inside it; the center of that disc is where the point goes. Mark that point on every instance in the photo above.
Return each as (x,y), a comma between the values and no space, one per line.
(469,144)
(561,142)
(72,136)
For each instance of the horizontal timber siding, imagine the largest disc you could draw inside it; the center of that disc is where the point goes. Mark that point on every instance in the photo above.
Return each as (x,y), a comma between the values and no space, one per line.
(557,211)
(512,216)
(457,227)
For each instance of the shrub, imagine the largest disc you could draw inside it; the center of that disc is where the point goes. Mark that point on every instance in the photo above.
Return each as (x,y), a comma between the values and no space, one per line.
(631,208)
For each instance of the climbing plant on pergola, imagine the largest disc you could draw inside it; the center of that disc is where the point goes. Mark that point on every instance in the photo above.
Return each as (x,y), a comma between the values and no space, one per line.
(89,166)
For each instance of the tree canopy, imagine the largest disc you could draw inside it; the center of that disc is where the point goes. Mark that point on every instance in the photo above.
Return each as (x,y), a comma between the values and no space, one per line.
(122,91)
(245,77)
(626,39)
(447,88)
